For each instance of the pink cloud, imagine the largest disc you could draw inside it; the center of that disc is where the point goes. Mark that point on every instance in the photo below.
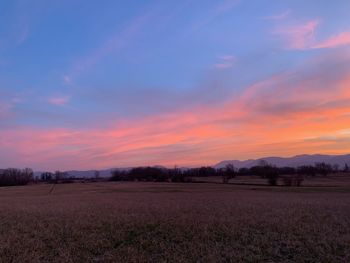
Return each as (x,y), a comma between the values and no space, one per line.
(59,101)
(228,57)
(299,36)
(223,65)
(278,16)
(302,37)
(341,39)
(4,111)
(274,116)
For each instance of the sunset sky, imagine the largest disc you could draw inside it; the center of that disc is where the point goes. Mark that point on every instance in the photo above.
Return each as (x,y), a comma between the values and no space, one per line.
(101,84)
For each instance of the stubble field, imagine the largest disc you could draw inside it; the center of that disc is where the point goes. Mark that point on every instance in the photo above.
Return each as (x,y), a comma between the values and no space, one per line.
(168,222)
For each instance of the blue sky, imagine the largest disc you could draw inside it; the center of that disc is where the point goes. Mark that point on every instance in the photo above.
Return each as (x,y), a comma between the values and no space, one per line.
(91,67)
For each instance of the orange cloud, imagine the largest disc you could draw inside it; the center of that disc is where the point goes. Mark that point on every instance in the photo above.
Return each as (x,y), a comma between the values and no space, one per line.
(286,114)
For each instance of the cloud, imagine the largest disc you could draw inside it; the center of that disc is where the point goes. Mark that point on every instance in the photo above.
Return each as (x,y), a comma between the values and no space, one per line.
(221,8)
(228,57)
(339,40)
(223,65)
(274,116)
(280,16)
(116,42)
(226,61)
(226,6)
(23,34)
(67,79)
(59,101)
(300,36)
(4,111)
(8,102)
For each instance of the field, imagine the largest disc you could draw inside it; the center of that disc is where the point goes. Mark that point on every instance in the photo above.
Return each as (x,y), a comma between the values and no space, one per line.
(168,222)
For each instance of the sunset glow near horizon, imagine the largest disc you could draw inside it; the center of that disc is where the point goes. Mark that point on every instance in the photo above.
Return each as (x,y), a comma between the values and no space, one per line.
(102,84)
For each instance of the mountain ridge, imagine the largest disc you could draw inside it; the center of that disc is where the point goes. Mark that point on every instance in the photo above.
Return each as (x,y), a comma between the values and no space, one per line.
(294,161)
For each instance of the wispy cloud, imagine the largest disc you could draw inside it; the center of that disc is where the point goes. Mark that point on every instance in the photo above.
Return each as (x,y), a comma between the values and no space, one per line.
(59,101)
(228,57)
(7,104)
(226,6)
(303,36)
(23,34)
(339,40)
(115,43)
(221,8)
(280,16)
(272,116)
(4,110)
(223,65)
(299,36)
(67,79)
(226,61)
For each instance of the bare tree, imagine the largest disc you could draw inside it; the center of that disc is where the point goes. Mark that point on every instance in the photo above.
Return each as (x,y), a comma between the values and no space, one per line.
(228,173)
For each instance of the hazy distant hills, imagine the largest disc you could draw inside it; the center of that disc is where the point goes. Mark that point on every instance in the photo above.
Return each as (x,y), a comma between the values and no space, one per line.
(90,173)
(295,161)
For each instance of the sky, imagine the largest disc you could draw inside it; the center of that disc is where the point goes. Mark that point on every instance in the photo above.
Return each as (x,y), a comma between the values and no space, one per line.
(115,83)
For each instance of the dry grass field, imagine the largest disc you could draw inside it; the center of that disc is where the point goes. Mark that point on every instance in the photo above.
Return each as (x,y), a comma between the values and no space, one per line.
(168,222)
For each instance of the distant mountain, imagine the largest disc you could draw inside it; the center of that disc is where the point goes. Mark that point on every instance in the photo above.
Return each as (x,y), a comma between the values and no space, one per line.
(295,161)
(89,173)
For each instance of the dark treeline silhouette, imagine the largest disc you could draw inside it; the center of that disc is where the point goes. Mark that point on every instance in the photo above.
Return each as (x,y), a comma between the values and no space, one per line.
(56,177)
(155,174)
(289,176)
(13,176)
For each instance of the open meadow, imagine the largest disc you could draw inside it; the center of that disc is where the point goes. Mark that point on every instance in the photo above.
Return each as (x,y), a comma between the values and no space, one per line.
(174,222)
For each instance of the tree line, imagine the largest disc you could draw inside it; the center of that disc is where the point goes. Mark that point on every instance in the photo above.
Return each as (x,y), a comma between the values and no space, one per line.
(289,176)
(156,174)
(13,176)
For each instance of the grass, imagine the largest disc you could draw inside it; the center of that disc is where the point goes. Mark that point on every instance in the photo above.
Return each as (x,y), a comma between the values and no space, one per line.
(163,222)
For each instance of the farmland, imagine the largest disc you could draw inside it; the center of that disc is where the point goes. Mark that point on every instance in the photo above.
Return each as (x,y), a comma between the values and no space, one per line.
(244,221)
